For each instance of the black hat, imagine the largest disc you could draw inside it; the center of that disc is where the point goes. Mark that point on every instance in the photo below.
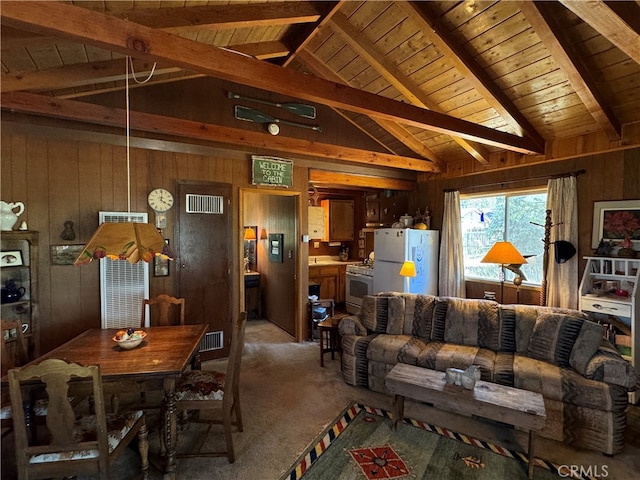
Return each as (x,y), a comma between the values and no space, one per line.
(564,251)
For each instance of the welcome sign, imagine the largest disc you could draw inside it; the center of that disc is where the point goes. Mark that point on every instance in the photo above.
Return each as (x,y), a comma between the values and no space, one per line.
(272,171)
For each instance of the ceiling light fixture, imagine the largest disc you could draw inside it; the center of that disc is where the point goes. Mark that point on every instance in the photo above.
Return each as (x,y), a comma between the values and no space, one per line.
(131,241)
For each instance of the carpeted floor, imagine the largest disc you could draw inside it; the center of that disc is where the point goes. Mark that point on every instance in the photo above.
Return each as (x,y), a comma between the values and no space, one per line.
(288,399)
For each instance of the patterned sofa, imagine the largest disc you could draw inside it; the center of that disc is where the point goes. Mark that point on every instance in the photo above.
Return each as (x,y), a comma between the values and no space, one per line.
(556,352)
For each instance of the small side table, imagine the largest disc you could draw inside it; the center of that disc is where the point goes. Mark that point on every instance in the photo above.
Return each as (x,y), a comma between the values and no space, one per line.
(329,338)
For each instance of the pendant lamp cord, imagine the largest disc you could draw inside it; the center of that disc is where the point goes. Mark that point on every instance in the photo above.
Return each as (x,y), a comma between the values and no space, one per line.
(129,63)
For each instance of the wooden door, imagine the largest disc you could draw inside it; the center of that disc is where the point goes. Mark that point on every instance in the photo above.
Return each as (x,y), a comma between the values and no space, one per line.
(203,263)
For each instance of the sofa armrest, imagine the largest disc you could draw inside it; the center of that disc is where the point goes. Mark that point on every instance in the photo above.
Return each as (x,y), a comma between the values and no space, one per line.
(607,365)
(351,325)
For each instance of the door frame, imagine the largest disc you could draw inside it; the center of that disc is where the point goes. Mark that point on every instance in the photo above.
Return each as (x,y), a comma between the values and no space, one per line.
(300,332)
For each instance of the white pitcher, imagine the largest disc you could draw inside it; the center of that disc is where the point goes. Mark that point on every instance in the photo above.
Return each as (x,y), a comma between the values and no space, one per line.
(8,217)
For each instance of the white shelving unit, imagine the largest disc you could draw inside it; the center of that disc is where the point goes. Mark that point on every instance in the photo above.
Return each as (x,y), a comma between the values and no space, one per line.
(602,296)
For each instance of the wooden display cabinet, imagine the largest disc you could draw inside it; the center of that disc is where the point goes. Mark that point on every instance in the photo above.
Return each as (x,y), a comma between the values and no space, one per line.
(21,273)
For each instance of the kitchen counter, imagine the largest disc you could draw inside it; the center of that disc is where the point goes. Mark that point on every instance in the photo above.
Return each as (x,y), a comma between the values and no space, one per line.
(325,260)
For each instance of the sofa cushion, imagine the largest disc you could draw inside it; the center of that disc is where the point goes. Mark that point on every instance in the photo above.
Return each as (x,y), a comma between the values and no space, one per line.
(385,348)
(466,322)
(396,313)
(440,356)
(566,385)
(553,338)
(374,311)
(517,323)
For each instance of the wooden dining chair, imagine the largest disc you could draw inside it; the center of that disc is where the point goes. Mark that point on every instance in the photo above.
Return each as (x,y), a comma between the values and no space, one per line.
(76,441)
(216,393)
(163,310)
(14,354)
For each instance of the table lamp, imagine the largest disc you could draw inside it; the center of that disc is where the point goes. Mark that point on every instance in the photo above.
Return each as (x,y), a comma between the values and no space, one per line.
(408,270)
(503,253)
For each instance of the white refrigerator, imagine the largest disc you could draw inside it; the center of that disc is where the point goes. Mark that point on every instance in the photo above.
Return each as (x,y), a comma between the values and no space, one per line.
(392,246)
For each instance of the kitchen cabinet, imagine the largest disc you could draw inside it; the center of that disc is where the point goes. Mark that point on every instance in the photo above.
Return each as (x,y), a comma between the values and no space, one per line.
(609,294)
(19,278)
(338,220)
(316,223)
(331,279)
(385,211)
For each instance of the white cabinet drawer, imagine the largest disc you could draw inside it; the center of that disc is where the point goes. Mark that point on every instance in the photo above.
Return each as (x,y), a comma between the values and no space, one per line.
(605,306)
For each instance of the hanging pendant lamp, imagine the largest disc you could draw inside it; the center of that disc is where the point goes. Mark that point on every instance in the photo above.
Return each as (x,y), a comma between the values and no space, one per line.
(130,241)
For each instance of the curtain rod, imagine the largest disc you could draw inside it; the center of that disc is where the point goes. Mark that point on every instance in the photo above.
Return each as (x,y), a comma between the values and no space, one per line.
(507,182)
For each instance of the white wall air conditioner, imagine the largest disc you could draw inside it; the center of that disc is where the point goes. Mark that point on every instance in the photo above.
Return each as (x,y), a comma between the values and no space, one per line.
(123,285)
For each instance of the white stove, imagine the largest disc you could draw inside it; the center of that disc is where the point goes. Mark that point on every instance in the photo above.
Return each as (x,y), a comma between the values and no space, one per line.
(361,269)
(359,283)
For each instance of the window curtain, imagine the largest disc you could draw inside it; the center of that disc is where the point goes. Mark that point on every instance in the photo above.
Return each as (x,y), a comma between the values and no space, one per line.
(451,267)
(562,278)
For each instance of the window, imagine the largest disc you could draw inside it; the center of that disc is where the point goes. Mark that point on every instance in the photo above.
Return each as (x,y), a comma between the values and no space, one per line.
(487,219)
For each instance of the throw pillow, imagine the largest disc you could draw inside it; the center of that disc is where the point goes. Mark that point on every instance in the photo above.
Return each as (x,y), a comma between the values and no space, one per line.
(553,338)
(586,345)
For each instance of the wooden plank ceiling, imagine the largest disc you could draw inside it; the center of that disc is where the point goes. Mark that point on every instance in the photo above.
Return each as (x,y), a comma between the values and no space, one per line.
(441,87)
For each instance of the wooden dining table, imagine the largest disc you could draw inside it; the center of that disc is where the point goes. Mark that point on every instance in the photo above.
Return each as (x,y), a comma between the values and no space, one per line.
(163,356)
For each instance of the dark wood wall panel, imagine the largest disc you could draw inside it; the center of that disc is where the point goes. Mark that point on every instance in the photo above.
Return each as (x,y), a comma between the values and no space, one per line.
(62,179)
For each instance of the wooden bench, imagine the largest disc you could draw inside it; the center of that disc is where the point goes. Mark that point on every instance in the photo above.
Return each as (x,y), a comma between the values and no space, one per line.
(513,406)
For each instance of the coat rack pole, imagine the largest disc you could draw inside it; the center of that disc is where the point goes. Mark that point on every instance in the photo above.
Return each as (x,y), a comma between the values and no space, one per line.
(545,258)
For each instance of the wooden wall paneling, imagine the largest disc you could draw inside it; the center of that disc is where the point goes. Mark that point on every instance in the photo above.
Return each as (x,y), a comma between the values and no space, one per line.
(107,168)
(86,279)
(140,181)
(35,187)
(631,186)
(64,203)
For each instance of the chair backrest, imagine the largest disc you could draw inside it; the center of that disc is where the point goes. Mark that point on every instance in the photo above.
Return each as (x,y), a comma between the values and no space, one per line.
(235,358)
(62,438)
(14,346)
(163,310)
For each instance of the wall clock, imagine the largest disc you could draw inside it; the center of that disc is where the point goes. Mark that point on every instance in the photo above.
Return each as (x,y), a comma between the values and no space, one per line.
(161,201)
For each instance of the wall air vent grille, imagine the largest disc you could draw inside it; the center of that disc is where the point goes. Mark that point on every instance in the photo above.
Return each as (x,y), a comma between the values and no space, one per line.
(212,341)
(212,204)
(123,285)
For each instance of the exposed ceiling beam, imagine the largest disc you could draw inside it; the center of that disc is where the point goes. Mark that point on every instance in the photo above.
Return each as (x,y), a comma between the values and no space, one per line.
(407,87)
(604,20)
(54,18)
(99,115)
(77,75)
(321,69)
(233,15)
(469,68)
(81,74)
(327,178)
(553,37)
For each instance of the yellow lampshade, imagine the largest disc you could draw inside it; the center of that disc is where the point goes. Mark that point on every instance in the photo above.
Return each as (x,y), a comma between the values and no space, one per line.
(504,253)
(408,269)
(249,234)
(125,241)
(263,234)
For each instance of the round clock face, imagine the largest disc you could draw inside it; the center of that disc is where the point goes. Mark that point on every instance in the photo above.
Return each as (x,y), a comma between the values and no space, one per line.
(160,200)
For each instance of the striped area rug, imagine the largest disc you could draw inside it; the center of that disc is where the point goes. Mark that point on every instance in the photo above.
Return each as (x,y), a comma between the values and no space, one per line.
(360,444)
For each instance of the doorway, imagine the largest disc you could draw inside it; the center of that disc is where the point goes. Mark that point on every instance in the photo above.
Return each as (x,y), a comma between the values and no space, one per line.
(276,251)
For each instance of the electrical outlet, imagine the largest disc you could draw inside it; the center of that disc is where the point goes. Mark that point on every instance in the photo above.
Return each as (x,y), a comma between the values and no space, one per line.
(316,244)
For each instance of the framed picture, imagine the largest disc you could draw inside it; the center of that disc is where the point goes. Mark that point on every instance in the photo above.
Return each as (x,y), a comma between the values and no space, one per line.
(65,254)
(613,220)
(276,246)
(11,258)
(161,265)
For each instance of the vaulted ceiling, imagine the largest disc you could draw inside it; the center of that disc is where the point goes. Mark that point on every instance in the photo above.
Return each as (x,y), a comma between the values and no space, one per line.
(440,86)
